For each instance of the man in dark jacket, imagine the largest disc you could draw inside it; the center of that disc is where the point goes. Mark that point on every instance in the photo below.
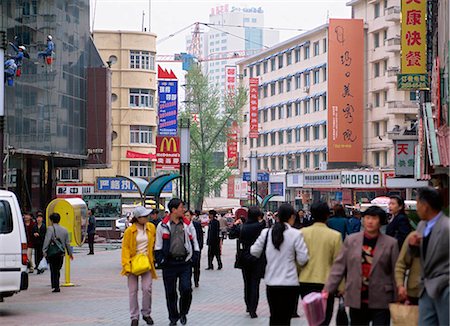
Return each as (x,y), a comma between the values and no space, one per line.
(154,217)
(213,240)
(199,232)
(91,231)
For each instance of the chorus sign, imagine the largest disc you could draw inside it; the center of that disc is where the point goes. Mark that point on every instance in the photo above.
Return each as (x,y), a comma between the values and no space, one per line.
(253,133)
(167,153)
(345,89)
(414,46)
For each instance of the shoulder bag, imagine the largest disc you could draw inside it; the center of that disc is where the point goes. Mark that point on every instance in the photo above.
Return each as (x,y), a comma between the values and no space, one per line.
(55,248)
(140,264)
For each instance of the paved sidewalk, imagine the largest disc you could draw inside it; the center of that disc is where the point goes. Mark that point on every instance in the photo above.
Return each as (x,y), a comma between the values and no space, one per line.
(100,296)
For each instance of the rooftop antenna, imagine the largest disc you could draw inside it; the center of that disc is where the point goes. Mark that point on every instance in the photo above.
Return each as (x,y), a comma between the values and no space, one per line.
(328,15)
(143,16)
(149,15)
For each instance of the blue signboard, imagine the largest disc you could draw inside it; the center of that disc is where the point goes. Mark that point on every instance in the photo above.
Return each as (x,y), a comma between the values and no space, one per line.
(168,107)
(277,188)
(262,176)
(121,185)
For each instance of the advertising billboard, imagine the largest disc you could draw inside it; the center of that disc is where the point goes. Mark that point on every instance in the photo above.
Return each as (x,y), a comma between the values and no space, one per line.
(253,91)
(167,153)
(168,103)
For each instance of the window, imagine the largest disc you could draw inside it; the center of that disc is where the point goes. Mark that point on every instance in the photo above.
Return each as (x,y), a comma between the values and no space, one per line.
(280,61)
(376,158)
(281,86)
(272,89)
(385,66)
(258,141)
(141,97)
(307,80)
(142,60)
(265,91)
(265,114)
(385,94)
(265,67)
(297,108)
(306,52)
(298,81)
(265,164)
(316,158)
(288,110)
(245,140)
(266,140)
(306,160)
(280,137)
(297,55)
(281,112)
(385,158)
(272,163)
(272,64)
(376,40)
(316,78)
(288,84)
(376,129)
(69,175)
(385,34)
(376,69)
(324,131)
(251,72)
(140,169)
(324,74)
(297,135)
(272,138)
(316,132)
(413,96)
(281,163)
(259,117)
(324,100)
(288,58)
(317,104)
(251,142)
(385,4)
(258,70)
(141,135)
(272,113)
(376,99)
(324,45)
(6,220)
(306,107)
(306,134)
(289,136)
(376,10)
(316,48)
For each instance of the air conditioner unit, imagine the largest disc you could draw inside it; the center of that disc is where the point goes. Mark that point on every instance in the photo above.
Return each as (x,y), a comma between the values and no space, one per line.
(306,89)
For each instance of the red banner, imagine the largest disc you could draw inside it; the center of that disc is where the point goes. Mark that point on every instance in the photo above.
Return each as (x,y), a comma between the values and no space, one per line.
(232,146)
(167,152)
(131,154)
(230,187)
(253,133)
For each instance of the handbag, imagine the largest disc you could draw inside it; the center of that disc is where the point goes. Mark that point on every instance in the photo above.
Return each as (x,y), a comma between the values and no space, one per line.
(314,306)
(55,247)
(404,315)
(140,264)
(43,265)
(244,258)
(341,316)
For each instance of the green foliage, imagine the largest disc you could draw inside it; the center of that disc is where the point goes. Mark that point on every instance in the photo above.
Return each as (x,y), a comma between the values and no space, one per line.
(209,135)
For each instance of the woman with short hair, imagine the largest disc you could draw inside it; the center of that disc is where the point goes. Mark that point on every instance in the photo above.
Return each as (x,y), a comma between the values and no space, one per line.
(399,227)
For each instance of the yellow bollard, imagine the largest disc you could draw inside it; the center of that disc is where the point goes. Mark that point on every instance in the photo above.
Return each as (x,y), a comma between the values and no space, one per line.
(67,272)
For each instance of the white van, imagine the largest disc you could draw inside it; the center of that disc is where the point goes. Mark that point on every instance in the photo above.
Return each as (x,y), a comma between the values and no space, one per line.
(13,247)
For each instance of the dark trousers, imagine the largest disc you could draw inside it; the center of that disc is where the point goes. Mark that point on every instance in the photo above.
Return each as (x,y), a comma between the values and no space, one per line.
(363,316)
(196,268)
(55,264)
(281,301)
(171,274)
(91,242)
(214,251)
(251,288)
(38,254)
(307,288)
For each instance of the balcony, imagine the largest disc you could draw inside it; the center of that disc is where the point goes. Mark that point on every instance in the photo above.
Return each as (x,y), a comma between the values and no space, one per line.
(391,76)
(393,44)
(392,14)
(401,107)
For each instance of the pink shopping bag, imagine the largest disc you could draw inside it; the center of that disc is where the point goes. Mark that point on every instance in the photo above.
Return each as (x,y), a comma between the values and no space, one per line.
(314,306)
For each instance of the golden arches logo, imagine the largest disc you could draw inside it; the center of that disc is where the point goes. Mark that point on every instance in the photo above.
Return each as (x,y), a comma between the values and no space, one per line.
(168,144)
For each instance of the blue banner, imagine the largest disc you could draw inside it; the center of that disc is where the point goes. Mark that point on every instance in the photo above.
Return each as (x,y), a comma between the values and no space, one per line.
(277,188)
(122,185)
(168,107)
(262,176)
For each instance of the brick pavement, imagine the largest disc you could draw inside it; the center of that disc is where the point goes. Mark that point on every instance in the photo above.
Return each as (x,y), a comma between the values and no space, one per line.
(100,296)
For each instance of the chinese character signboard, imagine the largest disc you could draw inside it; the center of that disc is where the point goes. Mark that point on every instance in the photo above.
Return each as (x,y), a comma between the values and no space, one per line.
(168,103)
(414,46)
(167,153)
(345,89)
(230,187)
(118,184)
(404,157)
(232,146)
(253,133)
(262,176)
(230,79)
(73,190)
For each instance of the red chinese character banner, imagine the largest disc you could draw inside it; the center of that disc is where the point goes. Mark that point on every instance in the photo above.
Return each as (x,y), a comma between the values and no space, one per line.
(232,146)
(167,152)
(230,79)
(253,133)
(346,90)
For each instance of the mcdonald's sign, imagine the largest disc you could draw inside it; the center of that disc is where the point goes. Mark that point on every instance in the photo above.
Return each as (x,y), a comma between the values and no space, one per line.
(167,152)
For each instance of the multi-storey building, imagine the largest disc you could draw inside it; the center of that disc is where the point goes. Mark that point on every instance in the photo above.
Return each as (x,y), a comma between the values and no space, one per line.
(131,56)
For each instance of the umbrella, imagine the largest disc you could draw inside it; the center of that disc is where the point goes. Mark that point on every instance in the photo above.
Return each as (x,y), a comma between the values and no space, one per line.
(383,200)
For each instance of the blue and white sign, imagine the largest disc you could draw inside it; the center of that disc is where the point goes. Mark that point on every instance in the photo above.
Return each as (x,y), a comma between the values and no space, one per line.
(277,188)
(122,185)
(168,107)
(262,176)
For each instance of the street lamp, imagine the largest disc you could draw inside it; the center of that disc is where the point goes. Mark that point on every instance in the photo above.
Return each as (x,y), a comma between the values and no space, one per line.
(185,161)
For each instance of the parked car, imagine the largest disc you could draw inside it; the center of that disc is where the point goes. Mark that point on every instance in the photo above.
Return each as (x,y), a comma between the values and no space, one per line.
(13,247)
(121,224)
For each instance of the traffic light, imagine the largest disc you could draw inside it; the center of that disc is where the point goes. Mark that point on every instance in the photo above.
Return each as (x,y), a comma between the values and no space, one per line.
(3,41)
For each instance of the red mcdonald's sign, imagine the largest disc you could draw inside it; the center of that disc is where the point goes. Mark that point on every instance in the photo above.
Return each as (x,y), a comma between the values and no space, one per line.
(167,152)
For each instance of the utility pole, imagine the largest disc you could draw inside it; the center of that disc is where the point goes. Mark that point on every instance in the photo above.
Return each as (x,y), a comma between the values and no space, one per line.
(3,45)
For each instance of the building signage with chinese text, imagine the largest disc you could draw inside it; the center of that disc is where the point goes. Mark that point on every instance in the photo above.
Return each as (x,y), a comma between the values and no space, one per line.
(346,90)
(360,179)
(232,146)
(117,184)
(253,132)
(167,153)
(230,80)
(168,103)
(262,176)
(71,190)
(230,187)
(404,157)
(294,180)
(414,45)
(277,188)
(322,179)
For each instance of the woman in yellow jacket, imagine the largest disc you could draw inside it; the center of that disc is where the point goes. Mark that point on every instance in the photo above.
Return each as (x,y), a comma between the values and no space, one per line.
(139,238)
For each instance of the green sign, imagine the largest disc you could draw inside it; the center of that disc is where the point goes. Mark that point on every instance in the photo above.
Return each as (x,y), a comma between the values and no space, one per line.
(412,81)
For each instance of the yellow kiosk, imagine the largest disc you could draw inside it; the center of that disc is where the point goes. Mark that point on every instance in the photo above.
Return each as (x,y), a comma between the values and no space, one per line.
(72,212)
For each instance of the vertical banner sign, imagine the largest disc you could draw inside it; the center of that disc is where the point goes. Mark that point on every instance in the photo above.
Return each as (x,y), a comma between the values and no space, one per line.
(168,103)
(414,46)
(404,157)
(345,89)
(167,153)
(232,146)
(230,80)
(253,133)
(230,187)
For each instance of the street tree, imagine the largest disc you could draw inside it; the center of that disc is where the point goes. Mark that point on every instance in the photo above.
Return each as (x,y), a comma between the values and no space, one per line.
(211,116)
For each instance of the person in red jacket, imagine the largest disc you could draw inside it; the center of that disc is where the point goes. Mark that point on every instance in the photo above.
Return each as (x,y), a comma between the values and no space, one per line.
(29,225)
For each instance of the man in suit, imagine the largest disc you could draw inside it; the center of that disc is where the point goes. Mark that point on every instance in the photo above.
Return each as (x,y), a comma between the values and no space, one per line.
(370,285)
(213,240)
(431,242)
(199,232)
